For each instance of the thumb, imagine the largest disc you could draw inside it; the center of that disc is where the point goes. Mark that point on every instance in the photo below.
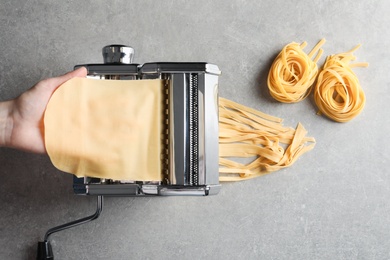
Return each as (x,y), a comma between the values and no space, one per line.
(46,87)
(57,81)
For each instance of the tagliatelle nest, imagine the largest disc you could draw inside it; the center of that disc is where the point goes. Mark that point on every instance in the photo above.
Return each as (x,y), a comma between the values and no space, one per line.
(338,93)
(293,72)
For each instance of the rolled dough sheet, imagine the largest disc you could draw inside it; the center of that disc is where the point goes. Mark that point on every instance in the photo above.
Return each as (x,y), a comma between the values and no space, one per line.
(106,128)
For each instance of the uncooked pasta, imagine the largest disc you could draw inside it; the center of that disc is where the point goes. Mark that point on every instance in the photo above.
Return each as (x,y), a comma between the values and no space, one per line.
(293,72)
(338,93)
(246,133)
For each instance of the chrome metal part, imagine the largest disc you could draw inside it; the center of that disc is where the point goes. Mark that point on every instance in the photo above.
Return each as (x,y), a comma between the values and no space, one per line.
(190,127)
(117,53)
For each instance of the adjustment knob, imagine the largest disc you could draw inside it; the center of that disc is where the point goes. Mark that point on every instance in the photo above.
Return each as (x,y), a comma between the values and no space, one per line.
(118,54)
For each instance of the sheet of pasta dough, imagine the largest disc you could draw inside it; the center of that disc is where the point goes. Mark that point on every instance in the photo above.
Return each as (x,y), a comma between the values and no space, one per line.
(106,128)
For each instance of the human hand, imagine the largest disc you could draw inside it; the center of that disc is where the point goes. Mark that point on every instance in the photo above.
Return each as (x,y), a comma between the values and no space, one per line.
(21,119)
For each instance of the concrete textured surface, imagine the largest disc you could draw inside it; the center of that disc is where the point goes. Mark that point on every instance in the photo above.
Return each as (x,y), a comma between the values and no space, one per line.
(332,204)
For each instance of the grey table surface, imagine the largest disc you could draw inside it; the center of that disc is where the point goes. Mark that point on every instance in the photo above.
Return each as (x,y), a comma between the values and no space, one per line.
(333,203)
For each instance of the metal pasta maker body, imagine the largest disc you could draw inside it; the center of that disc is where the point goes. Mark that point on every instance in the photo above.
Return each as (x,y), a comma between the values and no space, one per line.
(189,138)
(190,126)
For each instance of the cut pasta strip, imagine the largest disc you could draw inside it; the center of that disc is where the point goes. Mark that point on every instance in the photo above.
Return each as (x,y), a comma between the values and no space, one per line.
(293,72)
(245,133)
(338,93)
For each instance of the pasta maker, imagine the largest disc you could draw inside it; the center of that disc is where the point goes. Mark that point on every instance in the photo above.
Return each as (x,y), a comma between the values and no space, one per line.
(190,134)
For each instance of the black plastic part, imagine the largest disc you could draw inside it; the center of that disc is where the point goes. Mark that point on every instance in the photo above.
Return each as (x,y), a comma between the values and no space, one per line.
(44,251)
(173,67)
(110,69)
